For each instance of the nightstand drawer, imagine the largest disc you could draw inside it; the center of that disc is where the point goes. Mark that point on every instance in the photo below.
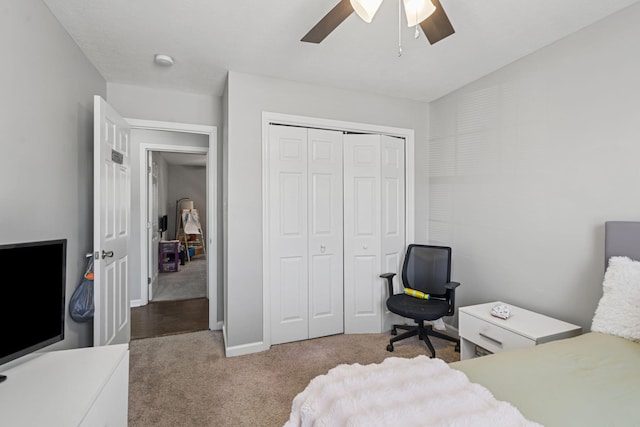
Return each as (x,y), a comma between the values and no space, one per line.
(490,336)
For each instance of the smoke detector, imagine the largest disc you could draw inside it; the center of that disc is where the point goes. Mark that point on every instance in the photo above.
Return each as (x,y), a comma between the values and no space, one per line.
(164,60)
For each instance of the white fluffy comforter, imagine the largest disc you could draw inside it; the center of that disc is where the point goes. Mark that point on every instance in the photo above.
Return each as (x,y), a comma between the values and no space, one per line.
(400,392)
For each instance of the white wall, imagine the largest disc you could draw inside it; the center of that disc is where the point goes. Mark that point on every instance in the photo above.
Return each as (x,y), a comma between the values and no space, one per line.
(529,162)
(247,98)
(46,166)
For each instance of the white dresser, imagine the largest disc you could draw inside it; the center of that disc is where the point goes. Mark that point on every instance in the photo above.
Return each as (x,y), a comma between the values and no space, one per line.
(85,387)
(481,333)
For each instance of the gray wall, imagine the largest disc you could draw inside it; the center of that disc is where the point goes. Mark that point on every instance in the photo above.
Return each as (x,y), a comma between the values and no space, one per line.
(529,162)
(46,117)
(190,182)
(138,102)
(248,96)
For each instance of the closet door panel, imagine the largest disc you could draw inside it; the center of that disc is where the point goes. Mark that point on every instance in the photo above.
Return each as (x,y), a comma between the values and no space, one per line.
(323,314)
(393,215)
(363,287)
(292,271)
(288,234)
(365,267)
(326,315)
(393,200)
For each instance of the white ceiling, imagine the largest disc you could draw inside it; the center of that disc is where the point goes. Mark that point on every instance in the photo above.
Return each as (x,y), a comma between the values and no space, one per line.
(184,159)
(208,38)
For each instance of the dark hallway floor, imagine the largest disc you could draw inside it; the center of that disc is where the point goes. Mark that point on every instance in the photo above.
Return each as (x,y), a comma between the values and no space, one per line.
(179,304)
(169,317)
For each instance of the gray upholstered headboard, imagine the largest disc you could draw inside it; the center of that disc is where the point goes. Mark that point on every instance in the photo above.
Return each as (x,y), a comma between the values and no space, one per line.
(622,238)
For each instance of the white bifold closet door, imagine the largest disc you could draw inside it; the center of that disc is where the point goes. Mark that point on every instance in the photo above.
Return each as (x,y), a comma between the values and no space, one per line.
(374,227)
(305,233)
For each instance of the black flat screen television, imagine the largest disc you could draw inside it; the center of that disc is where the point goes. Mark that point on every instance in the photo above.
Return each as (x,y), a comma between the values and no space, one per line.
(32,312)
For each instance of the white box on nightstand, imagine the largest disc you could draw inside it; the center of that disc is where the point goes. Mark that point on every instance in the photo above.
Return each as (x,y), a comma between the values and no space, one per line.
(481,331)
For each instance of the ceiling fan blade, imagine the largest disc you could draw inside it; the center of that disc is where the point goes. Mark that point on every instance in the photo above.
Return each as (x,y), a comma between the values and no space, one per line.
(437,26)
(331,20)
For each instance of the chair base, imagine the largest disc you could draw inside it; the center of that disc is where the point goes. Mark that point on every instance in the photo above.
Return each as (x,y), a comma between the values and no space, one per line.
(422,332)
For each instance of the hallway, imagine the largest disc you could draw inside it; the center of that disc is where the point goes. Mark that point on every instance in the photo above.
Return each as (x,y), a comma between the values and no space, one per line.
(180,304)
(169,317)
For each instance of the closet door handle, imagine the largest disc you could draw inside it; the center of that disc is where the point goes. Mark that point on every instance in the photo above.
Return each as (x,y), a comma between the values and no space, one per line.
(106,254)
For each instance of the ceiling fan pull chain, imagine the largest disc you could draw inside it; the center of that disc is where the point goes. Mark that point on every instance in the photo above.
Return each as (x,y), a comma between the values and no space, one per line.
(399,28)
(416,34)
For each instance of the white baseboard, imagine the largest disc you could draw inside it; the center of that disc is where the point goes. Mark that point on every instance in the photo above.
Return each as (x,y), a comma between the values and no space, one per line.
(241,350)
(256,347)
(136,303)
(218,326)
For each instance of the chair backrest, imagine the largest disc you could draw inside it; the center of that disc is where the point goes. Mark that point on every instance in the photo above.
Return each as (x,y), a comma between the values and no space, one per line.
(427,268)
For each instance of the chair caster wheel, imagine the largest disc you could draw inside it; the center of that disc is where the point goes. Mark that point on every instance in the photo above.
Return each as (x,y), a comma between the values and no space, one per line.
(394,331)
(390,347)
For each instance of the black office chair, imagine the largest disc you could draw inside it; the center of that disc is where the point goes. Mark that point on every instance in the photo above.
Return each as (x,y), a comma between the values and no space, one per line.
(426,269)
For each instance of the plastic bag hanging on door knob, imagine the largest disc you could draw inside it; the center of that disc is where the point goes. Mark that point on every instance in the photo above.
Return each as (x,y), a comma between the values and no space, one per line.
(81,306)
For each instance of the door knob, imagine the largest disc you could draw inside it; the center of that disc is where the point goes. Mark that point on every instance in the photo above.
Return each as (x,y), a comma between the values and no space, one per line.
(365,247)
(323,248)
(106,254)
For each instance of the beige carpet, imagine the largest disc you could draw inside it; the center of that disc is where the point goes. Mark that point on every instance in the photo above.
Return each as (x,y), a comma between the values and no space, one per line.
(185,380)
(190,281)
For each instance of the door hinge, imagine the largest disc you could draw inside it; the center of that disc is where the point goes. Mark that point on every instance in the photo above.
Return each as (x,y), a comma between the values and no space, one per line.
(148,280)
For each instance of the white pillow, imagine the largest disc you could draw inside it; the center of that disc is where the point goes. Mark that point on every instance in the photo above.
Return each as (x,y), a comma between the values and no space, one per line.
(618,312)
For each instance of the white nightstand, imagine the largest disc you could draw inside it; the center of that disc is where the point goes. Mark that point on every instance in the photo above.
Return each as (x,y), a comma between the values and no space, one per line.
(481,333)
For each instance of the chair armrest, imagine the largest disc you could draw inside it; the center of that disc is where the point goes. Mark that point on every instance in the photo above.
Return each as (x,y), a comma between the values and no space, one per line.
(452,285)
(451,288)
(389,278)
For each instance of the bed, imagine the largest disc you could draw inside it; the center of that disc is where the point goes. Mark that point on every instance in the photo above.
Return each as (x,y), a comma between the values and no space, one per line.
(589,380)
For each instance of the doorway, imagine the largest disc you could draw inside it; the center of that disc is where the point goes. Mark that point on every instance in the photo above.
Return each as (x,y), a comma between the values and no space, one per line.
(177,181)
(158,138)
(177,295)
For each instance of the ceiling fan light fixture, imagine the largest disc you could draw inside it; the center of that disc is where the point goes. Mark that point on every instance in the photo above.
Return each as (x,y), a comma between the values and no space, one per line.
(366,9)
(417,11)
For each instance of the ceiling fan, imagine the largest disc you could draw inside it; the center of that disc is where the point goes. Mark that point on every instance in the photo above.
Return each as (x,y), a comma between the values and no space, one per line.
(436,26)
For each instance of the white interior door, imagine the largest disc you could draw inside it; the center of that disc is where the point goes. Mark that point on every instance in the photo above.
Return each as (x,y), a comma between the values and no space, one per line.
(362,245)
(306,233)
(288,234)
(374,227)
(111,225)
(393,226)
(326,313)
(153,226)
(336,222)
